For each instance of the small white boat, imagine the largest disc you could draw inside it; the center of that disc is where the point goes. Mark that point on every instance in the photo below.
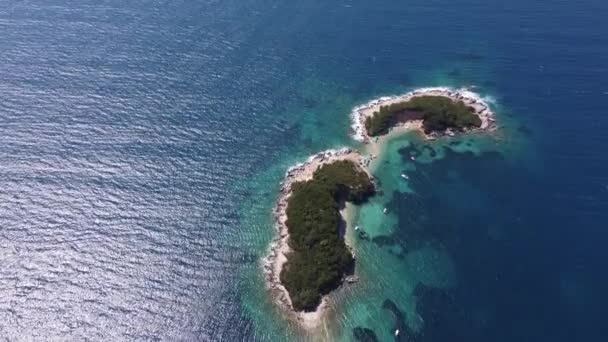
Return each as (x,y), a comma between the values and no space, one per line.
(397,332)
(385,210)
(412,158)
(404,176)
(356,228)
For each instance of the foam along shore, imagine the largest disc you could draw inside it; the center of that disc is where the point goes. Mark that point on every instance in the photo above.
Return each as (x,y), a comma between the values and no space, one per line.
(469,98)
(273,263)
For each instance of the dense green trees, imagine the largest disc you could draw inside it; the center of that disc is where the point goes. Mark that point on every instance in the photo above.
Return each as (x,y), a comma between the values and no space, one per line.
(320,257)
(439,113)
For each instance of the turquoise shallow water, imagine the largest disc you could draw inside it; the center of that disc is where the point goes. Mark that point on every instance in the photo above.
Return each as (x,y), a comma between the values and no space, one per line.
(142,144)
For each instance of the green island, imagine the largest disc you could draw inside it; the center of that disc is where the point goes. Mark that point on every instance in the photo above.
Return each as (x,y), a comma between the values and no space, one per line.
(320,258)
(437,113)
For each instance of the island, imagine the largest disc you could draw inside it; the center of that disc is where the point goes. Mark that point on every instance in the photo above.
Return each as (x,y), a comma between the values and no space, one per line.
(432,111)
(438,113)
(309,257)
(319,258)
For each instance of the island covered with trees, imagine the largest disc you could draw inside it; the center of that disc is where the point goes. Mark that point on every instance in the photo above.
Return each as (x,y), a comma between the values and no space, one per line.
(437,113)
(319,258)
(432,111)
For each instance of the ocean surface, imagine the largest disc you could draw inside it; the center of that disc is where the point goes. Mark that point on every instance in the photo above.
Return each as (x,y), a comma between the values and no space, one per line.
(142,144)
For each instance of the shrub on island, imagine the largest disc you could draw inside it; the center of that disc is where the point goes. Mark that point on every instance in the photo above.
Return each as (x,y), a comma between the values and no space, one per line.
(438,114)
(319,257)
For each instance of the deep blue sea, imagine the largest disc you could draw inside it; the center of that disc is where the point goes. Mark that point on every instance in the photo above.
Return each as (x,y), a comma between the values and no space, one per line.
(142,143)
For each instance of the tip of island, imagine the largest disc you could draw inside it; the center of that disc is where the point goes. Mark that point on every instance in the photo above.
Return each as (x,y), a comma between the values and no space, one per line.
(309,257)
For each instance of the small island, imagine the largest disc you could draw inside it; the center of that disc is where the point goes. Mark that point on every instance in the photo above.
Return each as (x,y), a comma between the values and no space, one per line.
(432,111)
(437,113)
(319,258)
(309,257)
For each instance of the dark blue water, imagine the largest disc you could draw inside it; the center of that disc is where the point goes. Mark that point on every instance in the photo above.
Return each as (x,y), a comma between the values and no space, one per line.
(527,270)
(130,130)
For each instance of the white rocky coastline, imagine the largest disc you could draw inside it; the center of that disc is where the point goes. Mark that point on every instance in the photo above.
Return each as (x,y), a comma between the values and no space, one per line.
(469,98)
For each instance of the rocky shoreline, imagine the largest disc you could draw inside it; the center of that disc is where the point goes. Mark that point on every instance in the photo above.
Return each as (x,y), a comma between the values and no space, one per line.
(469,98)
(279,247)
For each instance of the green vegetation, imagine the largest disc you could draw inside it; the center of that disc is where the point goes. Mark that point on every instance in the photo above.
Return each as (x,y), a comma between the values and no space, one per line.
(437,112)
(320,258)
